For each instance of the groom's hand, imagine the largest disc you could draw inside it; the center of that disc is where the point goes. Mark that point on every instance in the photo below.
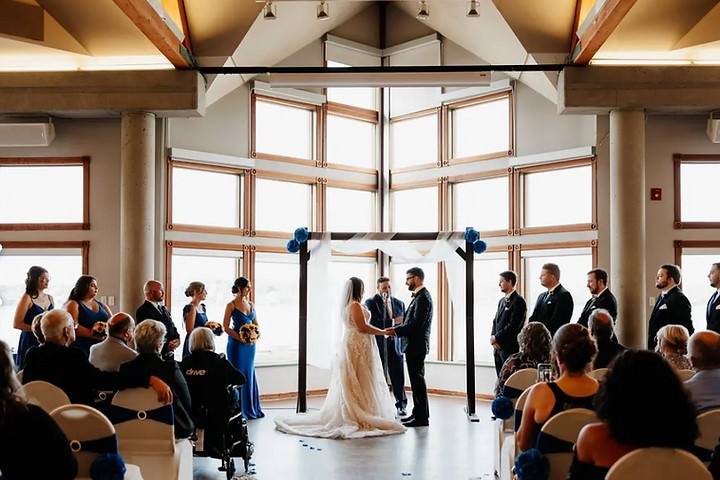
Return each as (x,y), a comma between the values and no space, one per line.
(390,332)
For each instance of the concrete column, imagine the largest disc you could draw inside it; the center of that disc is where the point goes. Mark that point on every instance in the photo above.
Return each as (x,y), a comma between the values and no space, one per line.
(627,224)
(137,207)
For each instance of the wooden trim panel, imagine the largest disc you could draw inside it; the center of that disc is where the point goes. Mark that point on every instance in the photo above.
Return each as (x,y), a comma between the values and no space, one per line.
(84,247)
(678,160)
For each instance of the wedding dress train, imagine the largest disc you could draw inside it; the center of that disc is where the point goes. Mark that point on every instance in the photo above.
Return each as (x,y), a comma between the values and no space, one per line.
(358,403)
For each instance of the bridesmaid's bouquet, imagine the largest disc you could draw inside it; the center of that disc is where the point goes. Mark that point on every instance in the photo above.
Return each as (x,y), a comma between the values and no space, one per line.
(99,329)
(216,328)
(249,333)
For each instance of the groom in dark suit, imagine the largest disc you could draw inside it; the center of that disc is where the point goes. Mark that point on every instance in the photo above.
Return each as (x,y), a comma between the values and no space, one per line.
(152,309)
(414,335)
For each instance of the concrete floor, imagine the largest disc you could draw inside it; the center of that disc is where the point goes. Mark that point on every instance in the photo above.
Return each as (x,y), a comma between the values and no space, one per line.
(451,448)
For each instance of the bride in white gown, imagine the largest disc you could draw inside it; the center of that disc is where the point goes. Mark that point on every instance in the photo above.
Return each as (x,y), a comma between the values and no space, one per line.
(358,403)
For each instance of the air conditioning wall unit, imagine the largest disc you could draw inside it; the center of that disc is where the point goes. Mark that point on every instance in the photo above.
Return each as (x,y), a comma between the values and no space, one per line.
(26,134)
(713,127)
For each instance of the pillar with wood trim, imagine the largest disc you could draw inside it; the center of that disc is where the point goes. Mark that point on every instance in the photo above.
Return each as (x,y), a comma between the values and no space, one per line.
(137,207)
(627,224)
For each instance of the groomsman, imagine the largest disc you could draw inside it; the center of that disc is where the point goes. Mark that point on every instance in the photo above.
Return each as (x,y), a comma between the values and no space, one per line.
(672,307)
(387,311)
(508,321)
(555,306)
(602,297)
(713,306)
(152,309)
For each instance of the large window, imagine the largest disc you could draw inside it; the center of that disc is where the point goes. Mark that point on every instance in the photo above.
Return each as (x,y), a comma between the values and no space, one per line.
(350,210)
(64,182)
(414,141)
(276,302)
(415,210)
(483,204)
(362,97)
(481,129)
(695,191)
(205,198)
(696,263)
(341,269)
(350,142)
(284,129)
(282,206)
(65,265)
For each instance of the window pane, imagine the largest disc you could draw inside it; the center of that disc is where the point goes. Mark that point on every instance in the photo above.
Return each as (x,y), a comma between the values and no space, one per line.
(558,197)
(487,294)
(472,200)
(217,273)
(362,97)
(573,276)
(698,187)
(695,284)
(414,142)
(349,210)
(62,184)
(64,271)
(350,142)
(282,206)
(276,301)
(283,130)
(400,291)
(481,129)
(342,268)
(415,210)
(205,198)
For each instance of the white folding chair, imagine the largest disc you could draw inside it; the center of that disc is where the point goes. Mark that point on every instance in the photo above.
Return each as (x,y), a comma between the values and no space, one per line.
(45,395)
(660,463)
(146,435)
(90,435)
(558,436)
(599,373)
(709,425)
(685,374)
(507,453)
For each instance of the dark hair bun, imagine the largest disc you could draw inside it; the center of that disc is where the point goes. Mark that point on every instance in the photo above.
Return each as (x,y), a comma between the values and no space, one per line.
(574,347)
(239,284)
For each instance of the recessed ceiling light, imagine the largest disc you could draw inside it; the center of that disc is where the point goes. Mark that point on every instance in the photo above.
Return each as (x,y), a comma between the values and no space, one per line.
(323,11)
(473,9)
(269,12)
(423,12)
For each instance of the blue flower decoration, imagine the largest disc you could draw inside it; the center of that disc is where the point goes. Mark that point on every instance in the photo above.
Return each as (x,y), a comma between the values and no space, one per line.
(502,408)
(532,465)
(479,246)
(471,235)
(301,235)
(108,466)
(293,246)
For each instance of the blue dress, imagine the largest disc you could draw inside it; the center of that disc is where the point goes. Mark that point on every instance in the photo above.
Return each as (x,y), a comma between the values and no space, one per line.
(28,339)
(200,321)
(87,318)
(242,356)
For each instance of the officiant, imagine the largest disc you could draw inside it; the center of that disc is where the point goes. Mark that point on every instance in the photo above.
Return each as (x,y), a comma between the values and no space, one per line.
(387,311)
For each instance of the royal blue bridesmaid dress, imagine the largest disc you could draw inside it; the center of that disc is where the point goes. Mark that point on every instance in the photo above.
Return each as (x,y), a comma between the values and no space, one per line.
(28,339)
(88,318)
(242,356)
(200,321)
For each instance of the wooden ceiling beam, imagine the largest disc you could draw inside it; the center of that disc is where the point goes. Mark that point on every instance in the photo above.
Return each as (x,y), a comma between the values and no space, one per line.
(603,25)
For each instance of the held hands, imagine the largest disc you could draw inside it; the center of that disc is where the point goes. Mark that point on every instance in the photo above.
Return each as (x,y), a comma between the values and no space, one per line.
(173,344)
(390,332)
(164,394)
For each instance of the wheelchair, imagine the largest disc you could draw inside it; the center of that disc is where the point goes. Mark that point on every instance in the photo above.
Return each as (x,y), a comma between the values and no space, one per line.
(224,435)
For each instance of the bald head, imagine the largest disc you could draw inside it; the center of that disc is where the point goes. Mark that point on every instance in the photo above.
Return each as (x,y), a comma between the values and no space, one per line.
(120,324)
(154,291)
(704,350)
(600,324)
(58,327)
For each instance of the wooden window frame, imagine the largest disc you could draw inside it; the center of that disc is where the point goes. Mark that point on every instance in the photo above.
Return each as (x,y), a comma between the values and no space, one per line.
(84,247)
(352,113)
(83,161)
(520,197)
(474,177)
(331,183)
(447,132)
(437,111)
(678,160)
(679,245)
(317,201)
(433,182)
(242,173)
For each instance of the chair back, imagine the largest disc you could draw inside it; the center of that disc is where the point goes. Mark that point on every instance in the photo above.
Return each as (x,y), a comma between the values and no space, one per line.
(664,463)
(599,373)
(89,432)
(519,406)
(19,376)
(518,382)
(45,395)
(143,425)
(558,436)
(685,374)
(709,425)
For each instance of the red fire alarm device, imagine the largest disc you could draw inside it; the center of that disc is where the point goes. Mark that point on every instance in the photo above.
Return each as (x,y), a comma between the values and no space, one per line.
(656,194)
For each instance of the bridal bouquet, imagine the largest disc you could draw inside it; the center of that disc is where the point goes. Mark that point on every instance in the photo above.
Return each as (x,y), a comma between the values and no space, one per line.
(216,328)
(249,333)
(99,329)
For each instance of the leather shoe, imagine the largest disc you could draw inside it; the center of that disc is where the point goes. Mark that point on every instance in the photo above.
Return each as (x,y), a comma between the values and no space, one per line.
(401,412)
(416,423)
(408,419)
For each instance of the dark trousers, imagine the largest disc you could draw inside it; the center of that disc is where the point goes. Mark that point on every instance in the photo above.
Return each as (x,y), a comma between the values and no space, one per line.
(416,371)
(500,356)
(394,367)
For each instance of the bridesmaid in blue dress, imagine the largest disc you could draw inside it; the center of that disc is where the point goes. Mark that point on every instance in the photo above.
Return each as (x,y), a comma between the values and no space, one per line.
(32,303)
(240,354)
(194,313)
(86,311)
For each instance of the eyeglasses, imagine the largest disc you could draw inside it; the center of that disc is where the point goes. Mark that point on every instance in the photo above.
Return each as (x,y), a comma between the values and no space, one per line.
(411,276)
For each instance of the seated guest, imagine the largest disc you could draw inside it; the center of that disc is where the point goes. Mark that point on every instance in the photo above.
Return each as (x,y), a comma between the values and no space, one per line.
(573,352)
(37,330)
(534,341)
(208,377)
(149,339)
(641,403)
(69,369)
(704,386)
(29,434)
(86,312)
(601,328)
(672,345)
(115,350)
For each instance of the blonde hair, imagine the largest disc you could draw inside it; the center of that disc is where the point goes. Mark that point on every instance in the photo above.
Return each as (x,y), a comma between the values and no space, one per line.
(675,337)
(150,336)
(194,288)
(202,338)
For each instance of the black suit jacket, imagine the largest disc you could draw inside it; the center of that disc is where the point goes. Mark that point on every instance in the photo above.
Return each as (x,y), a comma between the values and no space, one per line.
(415,330)
(508,322)
(607,351)
(377,311)
(147,311)
(605,300)
(712,315)
(553,310)
(674,309)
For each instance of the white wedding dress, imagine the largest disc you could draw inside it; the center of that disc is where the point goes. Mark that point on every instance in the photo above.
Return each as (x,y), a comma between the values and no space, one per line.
(358,403)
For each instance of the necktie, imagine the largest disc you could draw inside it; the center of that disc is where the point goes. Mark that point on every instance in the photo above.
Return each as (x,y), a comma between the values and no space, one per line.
(162,309)
(712,302)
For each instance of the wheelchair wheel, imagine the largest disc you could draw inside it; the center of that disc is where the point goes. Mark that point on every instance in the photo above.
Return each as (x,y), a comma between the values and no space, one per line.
(246,461)
(230,472)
